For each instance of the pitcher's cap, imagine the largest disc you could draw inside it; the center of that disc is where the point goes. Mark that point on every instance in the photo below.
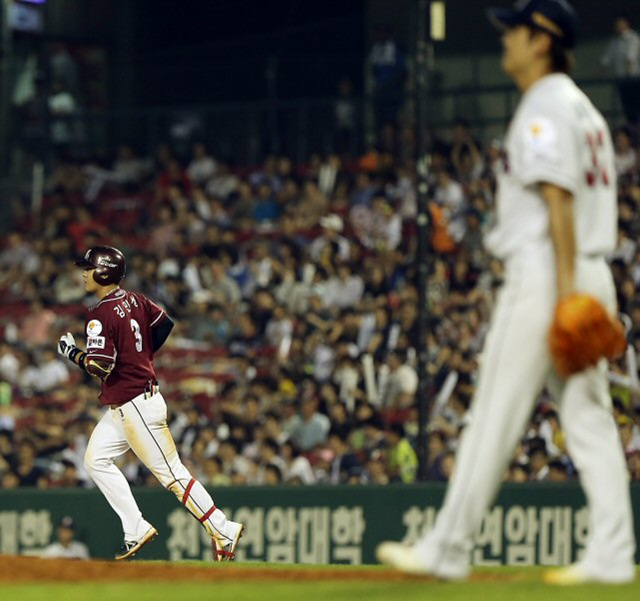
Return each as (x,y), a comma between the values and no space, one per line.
(556,17)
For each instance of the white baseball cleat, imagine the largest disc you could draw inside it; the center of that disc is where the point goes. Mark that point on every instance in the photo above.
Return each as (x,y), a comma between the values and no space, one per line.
(409,560)
(130,548)
(401,558)
(226,551)
(576,574)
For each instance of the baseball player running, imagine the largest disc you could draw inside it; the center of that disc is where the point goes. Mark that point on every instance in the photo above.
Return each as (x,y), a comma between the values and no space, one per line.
(556,206)
(124,330)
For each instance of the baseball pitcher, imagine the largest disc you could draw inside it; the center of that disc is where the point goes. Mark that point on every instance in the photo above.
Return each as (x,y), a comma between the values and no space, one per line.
(553,322)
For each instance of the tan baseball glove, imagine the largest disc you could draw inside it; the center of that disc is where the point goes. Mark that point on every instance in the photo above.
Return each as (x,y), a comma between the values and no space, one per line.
(582,333)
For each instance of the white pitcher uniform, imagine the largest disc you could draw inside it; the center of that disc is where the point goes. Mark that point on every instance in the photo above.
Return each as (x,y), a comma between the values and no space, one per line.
(557,137)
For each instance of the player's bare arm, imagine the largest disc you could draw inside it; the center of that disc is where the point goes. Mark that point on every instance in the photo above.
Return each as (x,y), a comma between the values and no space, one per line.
(561,229)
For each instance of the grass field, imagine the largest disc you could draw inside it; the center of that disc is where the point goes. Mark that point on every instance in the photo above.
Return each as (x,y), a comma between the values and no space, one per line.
(340,583)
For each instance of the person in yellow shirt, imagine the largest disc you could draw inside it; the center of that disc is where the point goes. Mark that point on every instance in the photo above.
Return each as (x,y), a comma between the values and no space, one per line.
(402,461)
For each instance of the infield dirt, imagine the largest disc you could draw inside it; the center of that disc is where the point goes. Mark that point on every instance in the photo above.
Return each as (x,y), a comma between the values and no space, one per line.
(32,569)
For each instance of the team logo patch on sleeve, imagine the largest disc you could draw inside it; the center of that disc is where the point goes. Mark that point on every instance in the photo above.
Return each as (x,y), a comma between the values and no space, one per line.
(94,327)
(541,142)
(95,342)
(541,134)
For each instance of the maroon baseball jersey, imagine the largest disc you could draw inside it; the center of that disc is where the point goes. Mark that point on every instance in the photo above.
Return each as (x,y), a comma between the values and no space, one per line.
(119,330)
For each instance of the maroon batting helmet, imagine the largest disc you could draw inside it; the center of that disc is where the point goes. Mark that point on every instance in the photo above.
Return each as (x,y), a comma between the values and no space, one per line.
(108,262)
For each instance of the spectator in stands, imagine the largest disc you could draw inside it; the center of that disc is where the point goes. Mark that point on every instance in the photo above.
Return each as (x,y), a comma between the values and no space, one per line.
(9,364)
(26,468)
(64,67)
(472,239)
(127,172)
(441,240)
(298,469)
(266,209)
(344,289)
(402,383)
(402,461)
(386,62)
(7,454)
(344,118)
(129,169)
(270,456)
(224,183)
(68,477)
(221,288)
(551,432)
(273,428)
(449,195)
(279,330)
(64,125)
(466,157)
(52,372)
(436,447)
(36,328)
(371,427)
(622,59)
(364,189)
(173,175)
(447,465)
(633,462)
(404,326)
(66,547)
(202,167)
(622,55)
(539,462)
(47,431)
(625,153)
(235,465)
(636,425)
(332,227)
(345,463)
(377,227)
(311,428)
(273,475)
(557,471)
(375,472)
(245,339)
(625,428)
(518,472)
(16,257)
(261,268)
(213,474)
(246,294)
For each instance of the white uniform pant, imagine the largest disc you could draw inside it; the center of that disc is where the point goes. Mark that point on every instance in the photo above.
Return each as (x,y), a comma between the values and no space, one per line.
(141,425)
(515,366)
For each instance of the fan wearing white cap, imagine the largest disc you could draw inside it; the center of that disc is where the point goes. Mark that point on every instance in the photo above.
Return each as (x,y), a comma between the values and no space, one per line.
(332,226)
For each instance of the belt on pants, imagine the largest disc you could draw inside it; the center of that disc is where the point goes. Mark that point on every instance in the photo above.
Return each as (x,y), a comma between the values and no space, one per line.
(149,390)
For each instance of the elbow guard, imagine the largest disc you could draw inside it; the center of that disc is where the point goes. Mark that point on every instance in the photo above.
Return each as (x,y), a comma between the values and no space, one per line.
(99,369)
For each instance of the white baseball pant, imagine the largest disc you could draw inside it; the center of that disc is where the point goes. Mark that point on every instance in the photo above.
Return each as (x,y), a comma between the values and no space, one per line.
(515,366)
(141,425)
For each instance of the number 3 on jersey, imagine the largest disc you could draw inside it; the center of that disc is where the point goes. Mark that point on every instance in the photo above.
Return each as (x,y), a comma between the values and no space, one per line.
(135,327)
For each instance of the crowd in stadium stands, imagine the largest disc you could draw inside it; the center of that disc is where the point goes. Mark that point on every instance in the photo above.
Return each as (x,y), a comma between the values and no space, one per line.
(293,288)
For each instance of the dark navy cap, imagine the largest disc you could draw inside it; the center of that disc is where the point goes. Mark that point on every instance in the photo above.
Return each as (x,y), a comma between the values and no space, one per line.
(556,17)
(67,522)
